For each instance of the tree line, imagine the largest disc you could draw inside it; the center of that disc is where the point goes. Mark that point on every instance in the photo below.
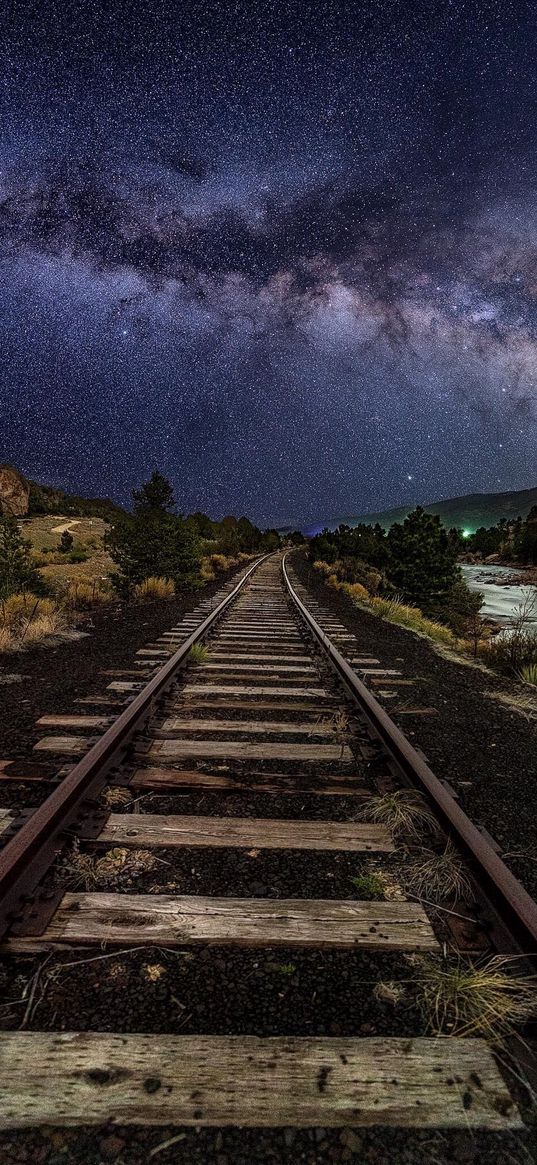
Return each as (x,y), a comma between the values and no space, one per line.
(152,540)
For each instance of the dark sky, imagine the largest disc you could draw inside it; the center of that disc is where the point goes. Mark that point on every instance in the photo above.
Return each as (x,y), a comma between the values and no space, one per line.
(286,252)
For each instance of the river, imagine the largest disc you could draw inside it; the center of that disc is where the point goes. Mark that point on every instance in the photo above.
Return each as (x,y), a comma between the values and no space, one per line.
(501,601)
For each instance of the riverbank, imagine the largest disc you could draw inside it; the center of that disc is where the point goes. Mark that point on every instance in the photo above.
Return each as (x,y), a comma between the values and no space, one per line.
(504,590)
(481,732)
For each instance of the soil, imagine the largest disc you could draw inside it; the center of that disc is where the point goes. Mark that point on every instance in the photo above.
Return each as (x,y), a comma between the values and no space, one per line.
(486,751)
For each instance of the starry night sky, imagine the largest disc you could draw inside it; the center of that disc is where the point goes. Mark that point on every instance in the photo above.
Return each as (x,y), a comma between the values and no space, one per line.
(286,251)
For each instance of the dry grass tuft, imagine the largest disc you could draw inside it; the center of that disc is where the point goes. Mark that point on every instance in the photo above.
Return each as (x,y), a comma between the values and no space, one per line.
(26,619)
(154,588)
(528,674)
(221,562)
(403,812)
(436,877)
(206,571)
(85,594)
(198,653)
(462,998)
(7,640)
(88,871)
(43,627)
(339,722)
(389,992)
(116,795)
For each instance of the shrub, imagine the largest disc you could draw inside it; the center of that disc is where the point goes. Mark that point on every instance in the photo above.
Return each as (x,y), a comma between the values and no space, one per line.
(206,571)
(7,641)
(27,619)
(154,588)
(19,609)
(355,591)
(17,571)
(220,562)
(325,568)
(78,556)
(66,542)
(84,594)
(42,628)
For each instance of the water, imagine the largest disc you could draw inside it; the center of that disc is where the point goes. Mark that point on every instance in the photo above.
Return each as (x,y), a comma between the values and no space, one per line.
(500,602)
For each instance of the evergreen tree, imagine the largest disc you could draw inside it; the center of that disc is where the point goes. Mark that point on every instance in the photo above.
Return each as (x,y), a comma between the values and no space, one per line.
(17,572)
(155,496)
(153,541)
(66,542)
(422,561)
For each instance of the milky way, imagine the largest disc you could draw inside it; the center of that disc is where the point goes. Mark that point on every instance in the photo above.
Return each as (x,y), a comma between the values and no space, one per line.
(288,255)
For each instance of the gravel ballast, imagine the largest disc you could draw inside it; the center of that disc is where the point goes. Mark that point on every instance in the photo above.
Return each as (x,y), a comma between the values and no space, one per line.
(485,749)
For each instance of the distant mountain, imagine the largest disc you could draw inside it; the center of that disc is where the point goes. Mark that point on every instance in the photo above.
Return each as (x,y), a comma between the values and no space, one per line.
(468,512)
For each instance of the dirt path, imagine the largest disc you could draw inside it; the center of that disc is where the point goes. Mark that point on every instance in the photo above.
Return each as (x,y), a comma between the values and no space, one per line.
(65,526)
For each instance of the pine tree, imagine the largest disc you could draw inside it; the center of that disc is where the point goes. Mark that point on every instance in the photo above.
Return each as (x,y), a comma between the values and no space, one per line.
(422,560)
(155,496)
(152,541)
(17,572)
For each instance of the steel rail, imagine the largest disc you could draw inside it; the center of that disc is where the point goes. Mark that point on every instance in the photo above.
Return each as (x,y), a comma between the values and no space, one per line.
(28,855)
(508,899)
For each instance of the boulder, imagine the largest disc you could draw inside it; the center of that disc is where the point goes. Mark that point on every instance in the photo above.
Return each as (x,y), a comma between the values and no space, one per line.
(14,492)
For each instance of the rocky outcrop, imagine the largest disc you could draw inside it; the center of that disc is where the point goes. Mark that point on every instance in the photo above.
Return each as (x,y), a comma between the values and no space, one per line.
(14,492)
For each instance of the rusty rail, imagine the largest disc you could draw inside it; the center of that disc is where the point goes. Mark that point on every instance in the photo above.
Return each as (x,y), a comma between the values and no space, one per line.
(28,855)
(513,910)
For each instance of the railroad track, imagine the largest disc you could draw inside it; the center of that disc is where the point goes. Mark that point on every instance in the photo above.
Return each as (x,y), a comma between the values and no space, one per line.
(276,734)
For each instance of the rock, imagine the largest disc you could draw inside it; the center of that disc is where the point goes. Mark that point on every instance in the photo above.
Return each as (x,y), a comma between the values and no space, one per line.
(14,492)
(111,1146)
(351,1140)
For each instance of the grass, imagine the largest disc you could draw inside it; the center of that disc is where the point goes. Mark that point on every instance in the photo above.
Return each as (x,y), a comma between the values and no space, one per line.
(59,569)
(368,887)
(403,812)
(437,876)
(87,593)
(26,620)
(389,992)
(198,653)
(462,998)
(88,871)
(154,588)
(405,615)
(528,674)
(339,722)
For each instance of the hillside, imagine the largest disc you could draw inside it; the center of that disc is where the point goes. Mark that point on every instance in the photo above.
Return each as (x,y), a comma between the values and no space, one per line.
(468,512)
(21,497)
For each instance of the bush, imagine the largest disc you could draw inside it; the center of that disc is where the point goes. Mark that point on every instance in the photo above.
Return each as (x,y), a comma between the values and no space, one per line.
(207,574)
(18,609)
(85,594)
(220,562)
(153,545)
(78,556)
(27,619)
(66,542)
(355,591)
(154,588)
(17,571)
